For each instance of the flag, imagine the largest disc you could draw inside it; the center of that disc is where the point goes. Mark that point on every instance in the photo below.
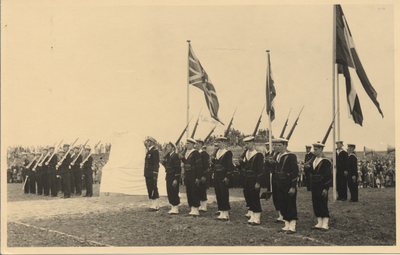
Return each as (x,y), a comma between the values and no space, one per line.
(270,92)
(347,55)
(199,78)
(352,97)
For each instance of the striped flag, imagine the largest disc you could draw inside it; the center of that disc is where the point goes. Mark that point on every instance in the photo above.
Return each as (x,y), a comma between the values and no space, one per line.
(199,78)
(270,92)
(347,55)
(352,97)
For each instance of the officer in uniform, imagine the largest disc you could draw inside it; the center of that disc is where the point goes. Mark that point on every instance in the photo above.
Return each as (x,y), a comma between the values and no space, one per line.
(286,170)
(320,179)
(205,158)
(172,165)
(342,171)
(253,165)
(309,155)
(151,166)
(77,172)
(193,172)
(222,166)
(51,172)
(353,172)
(63,168)
(87,171)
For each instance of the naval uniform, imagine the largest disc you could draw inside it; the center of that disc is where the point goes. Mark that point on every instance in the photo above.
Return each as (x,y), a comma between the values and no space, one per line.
(172,165)
(31,178)
(193,170)
(206,168)
(287,172)
(321,177)
(51,176)
(307,177)
(253,165)
(66,175)
(45,177)
(274,182)
(341,179)
(76,172)
(353,171)
(222,168)
(88,172)
(151,166)
(39,179)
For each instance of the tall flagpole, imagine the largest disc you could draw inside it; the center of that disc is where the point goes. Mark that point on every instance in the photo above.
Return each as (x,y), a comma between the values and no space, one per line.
(269,107)
(333,102)
(187,109)
(338,106)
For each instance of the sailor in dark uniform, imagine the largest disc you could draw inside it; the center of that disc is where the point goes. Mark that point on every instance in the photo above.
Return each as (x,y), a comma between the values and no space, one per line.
(151,167)
(320,177)
(205,158)
(38,171)
(63,169)
(342,166)
(270,161)
(45,176)
(51,172)
(76,172)
(222,166)
(307,158)
(30,185)
(172,166)
(353,173)
(253,165)
(87,171)
(287,172)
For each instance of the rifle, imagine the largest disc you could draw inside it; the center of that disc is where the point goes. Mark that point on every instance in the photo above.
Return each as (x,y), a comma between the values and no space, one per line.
(37,162)
(31,162)
(284,127)
(80,151)
(230,124)
(63,158)
(54,152)
(184,130)
(258,123)
(208,136)
(294,125)
(84,161)
(195,126)
(329,130)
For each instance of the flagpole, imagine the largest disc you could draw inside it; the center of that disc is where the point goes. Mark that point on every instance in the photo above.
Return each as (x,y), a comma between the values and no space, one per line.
(269,112)
(338,106)
(187,109)
(333,104)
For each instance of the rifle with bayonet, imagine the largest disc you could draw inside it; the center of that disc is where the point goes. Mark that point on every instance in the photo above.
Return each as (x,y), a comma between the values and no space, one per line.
(258,123)
(53,152)
(79,153)
(329,130)
(294,125)
(230,124)
(84,161)
(284,127)
(66,153)
(195,126)
(183,132)
(209,134)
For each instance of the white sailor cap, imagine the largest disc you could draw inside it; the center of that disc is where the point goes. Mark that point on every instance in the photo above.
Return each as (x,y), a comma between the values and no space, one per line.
(339,142)
(351,145)
(280,140)
(149,138)
(318,144)
(220,138)
(191,140)
(248,139)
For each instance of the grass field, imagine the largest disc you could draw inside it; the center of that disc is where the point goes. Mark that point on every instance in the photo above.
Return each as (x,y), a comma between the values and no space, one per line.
(370,222)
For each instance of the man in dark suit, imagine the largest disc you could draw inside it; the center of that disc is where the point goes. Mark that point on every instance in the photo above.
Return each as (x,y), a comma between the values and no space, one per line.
(151,167)
(353,173)
(342,171)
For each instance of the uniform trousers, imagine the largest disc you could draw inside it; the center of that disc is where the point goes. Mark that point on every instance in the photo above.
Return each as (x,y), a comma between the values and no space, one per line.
(253,195)
(320,203)
(287,202)
(78,181)
(89,184)
(353,187)
(66,177)
(26,187)
(341,188)
(45,183)
(52,184)
(203,191)
(221,193)
(173,193)
(32,184)
(152,188)
(39,183)
(246,197)
(192,189)
(275,193)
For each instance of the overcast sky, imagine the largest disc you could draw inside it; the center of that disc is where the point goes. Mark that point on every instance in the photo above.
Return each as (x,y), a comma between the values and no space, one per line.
(88,68)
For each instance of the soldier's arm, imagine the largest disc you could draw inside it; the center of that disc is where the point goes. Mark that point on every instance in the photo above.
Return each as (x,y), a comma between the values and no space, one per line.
(294,169)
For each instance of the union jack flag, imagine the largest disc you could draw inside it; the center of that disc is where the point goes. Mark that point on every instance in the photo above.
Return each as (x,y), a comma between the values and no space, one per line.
(199,78)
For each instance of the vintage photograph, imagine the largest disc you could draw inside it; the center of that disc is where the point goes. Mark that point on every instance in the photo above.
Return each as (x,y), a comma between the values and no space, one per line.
(187,127)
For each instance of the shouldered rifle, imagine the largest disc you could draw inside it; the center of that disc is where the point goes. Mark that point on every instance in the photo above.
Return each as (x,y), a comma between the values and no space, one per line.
(195,125)
(209,134)
(258,123)
(329,130)
(37,162)
(230,124)
(79,153)
(43,159)
(294,125)
(54,152)
(284,127)
(63,158)
(84,161)
(183,132)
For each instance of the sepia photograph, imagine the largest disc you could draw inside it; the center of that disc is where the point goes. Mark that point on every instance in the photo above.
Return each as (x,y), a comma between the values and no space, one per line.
(150,127)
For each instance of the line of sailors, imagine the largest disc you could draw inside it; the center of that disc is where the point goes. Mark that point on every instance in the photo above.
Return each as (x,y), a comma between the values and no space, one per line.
(51,173)
(280,163)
